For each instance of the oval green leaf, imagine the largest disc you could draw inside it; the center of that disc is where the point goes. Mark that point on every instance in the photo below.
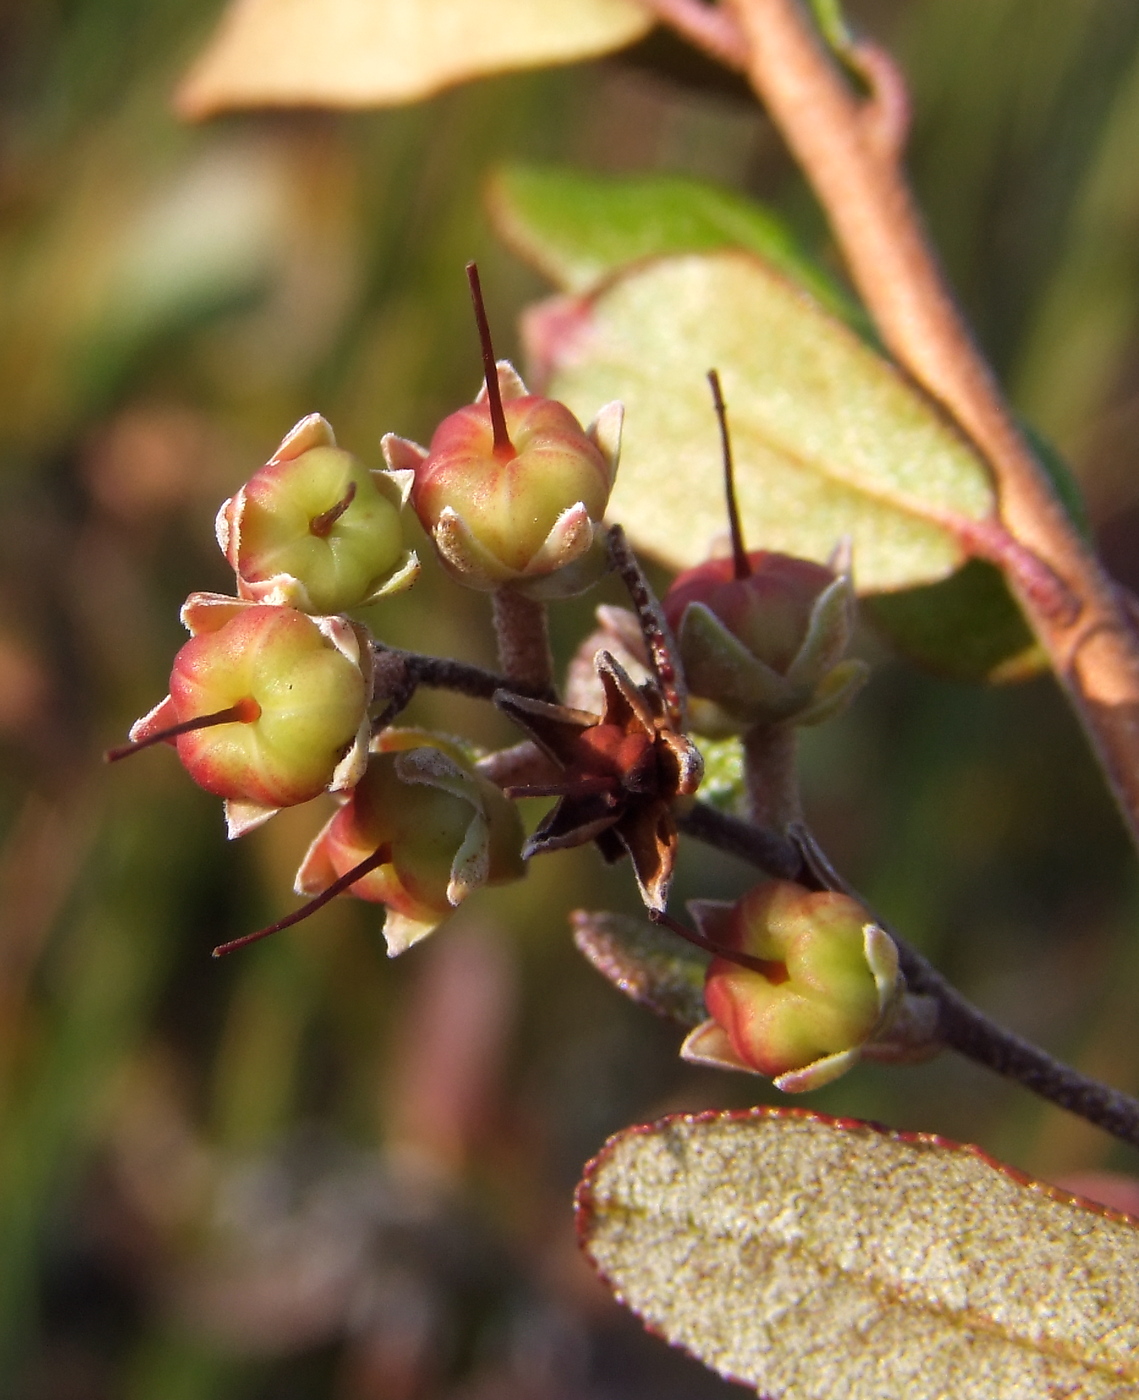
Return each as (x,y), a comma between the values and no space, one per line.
(829,438)
(823,1259)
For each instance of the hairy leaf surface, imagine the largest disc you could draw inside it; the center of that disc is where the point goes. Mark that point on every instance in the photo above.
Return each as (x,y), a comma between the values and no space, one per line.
(829,438)
(822,1259)
(364,53)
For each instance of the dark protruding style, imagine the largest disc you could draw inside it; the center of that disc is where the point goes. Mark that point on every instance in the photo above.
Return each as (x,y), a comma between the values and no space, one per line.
(380,856)
(739,550)
(503,447)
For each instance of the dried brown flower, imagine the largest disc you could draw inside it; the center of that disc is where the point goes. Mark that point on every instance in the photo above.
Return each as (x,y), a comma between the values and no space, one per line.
(621,773)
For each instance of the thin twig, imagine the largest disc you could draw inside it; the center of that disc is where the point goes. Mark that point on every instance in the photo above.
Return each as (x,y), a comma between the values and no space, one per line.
(659,641)
(837,140)
(400,673)
(770,852)
(961,1025)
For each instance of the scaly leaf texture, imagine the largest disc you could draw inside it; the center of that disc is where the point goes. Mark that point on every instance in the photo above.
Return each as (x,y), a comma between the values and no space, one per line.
(825,1259)
(369,53)
(829,439)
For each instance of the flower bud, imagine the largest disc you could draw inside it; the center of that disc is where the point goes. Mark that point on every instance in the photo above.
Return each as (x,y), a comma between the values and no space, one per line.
(765,648)
(313,529)
(295,690)
(448,830)
(526,511)
(827,985)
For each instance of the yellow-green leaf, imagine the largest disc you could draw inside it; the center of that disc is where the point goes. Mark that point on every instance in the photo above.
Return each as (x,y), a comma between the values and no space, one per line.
(824,1259)
(830,439)
(367,53)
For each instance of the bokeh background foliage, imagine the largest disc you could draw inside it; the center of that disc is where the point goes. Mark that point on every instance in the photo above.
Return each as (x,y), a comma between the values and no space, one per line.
(307,1171)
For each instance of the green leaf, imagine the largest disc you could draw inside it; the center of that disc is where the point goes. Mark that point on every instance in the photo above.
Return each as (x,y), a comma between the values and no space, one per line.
(829,438)
(579,228)
(967,628)
(370,53)
(822,1258)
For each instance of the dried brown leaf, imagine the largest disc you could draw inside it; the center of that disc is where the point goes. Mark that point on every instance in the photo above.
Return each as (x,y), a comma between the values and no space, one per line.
(368,53)
(825,1259)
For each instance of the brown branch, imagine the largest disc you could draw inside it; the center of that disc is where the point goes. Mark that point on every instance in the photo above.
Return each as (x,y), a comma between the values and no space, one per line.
(848,148)
(399,673)
(768,851)
(960,1025)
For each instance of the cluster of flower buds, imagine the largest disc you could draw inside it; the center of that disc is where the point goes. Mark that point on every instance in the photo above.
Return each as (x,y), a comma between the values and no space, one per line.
(270,701)
(807,981)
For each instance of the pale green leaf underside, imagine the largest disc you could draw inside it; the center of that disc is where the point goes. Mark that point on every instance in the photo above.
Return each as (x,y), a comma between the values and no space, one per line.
(367,53)
(824,1260)
(829,438)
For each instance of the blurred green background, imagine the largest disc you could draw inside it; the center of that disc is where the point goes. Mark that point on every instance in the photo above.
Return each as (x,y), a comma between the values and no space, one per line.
(307,1171)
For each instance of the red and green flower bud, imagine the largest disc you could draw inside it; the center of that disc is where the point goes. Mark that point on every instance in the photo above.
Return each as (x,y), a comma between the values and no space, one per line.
(764,647)
(821,983)
(315,530)
(526,511)
(289,696)
(446,829)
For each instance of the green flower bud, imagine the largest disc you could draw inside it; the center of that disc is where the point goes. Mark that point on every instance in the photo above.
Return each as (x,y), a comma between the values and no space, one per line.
(448,831)
(828,984)
(526,511)
(765,648)
(267,706)
(315,530)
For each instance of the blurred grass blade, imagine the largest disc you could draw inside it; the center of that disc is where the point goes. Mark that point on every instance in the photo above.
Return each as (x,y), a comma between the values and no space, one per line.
(829,438)
(366,53)
(809,1256)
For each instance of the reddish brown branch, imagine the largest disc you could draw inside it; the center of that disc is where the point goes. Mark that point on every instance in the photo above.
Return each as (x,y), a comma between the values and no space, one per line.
(848,148)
